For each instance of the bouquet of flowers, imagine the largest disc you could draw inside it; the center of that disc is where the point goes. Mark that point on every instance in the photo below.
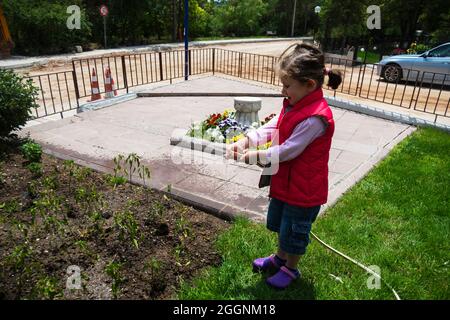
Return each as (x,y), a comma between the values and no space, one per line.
(223,127)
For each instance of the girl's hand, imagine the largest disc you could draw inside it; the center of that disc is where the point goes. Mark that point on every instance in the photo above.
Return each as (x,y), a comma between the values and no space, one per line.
(250,157)
(255,157)
(236,150)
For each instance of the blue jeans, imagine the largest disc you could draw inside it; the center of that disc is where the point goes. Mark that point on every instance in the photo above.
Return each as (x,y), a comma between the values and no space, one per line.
(293,224)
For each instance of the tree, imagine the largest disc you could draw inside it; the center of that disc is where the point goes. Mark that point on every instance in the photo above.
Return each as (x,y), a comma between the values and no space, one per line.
(39,26)
(239,17)
(344,20)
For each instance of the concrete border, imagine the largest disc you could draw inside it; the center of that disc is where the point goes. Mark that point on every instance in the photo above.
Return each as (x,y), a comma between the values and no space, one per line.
(383,114)
(106,103)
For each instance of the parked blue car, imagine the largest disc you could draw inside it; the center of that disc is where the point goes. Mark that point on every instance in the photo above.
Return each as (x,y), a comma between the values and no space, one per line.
(432,66)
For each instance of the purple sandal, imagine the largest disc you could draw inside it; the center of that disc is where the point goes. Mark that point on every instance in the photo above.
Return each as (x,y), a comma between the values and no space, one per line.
(268,264)
(282,279)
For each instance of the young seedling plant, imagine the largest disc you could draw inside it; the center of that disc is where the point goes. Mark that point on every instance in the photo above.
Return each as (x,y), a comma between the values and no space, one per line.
(133,161)
(129,166)
(69,166)
(113,270)
(154,266)
(128,226)
(35,169)
(117,179)
(47,288)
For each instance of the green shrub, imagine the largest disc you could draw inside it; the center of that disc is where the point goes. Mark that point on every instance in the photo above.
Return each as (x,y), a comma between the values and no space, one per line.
(32,152)
(17,98)
(417,48)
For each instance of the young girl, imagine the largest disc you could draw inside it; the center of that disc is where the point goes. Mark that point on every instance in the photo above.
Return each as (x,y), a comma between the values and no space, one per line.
(303,132)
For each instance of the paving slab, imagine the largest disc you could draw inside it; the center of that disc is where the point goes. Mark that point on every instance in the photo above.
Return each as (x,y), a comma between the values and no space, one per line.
(220,186)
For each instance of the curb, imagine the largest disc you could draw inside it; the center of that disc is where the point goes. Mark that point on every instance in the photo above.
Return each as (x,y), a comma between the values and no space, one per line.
(106,103)
(384,114)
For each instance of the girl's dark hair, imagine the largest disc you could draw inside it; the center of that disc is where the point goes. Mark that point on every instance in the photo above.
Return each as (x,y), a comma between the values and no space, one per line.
(307,62)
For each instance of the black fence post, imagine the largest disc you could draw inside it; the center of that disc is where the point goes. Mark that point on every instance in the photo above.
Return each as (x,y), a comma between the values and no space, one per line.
(124,73)
(359,77)
(214,61)
(362,80)
(272,80)
(240,65)
(75,83)
(161,74)
(190,63)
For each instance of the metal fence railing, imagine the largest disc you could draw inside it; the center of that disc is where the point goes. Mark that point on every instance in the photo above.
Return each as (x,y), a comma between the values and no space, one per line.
(57,93)
(63,91)
(421,91)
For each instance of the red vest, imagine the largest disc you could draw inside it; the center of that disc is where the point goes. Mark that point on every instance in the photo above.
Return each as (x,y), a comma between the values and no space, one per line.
(303,181)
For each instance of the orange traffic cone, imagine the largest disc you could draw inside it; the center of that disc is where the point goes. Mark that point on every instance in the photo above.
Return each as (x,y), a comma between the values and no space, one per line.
(94,87)
(109,85)
(114,86)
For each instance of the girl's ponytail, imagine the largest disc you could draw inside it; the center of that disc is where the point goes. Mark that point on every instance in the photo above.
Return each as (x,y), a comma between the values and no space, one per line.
(334,78)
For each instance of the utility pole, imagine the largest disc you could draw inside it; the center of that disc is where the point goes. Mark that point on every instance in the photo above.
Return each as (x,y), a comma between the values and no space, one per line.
(186,40)
(293,18)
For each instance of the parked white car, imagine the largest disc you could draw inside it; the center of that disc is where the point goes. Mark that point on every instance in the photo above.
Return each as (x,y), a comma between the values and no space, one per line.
(432,66)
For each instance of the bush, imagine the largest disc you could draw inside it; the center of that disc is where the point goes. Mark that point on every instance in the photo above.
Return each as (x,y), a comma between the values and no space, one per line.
(416,48)
(32,152)
(17,98)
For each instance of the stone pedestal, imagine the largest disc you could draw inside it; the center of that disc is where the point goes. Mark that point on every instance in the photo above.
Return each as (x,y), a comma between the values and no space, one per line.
(247,110)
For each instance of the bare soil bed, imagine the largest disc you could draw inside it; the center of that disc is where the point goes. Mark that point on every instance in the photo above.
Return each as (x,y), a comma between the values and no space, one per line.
(73,226)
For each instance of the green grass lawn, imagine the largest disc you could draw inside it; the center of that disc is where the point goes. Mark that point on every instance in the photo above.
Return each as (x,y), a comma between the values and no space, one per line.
(371,57)
(397,218)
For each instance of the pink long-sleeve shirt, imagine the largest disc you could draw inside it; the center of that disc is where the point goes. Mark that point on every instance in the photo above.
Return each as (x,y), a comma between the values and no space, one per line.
(304,133)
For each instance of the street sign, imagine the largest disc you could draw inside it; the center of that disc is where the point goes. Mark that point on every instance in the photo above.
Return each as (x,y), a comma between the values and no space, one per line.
(104,10)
